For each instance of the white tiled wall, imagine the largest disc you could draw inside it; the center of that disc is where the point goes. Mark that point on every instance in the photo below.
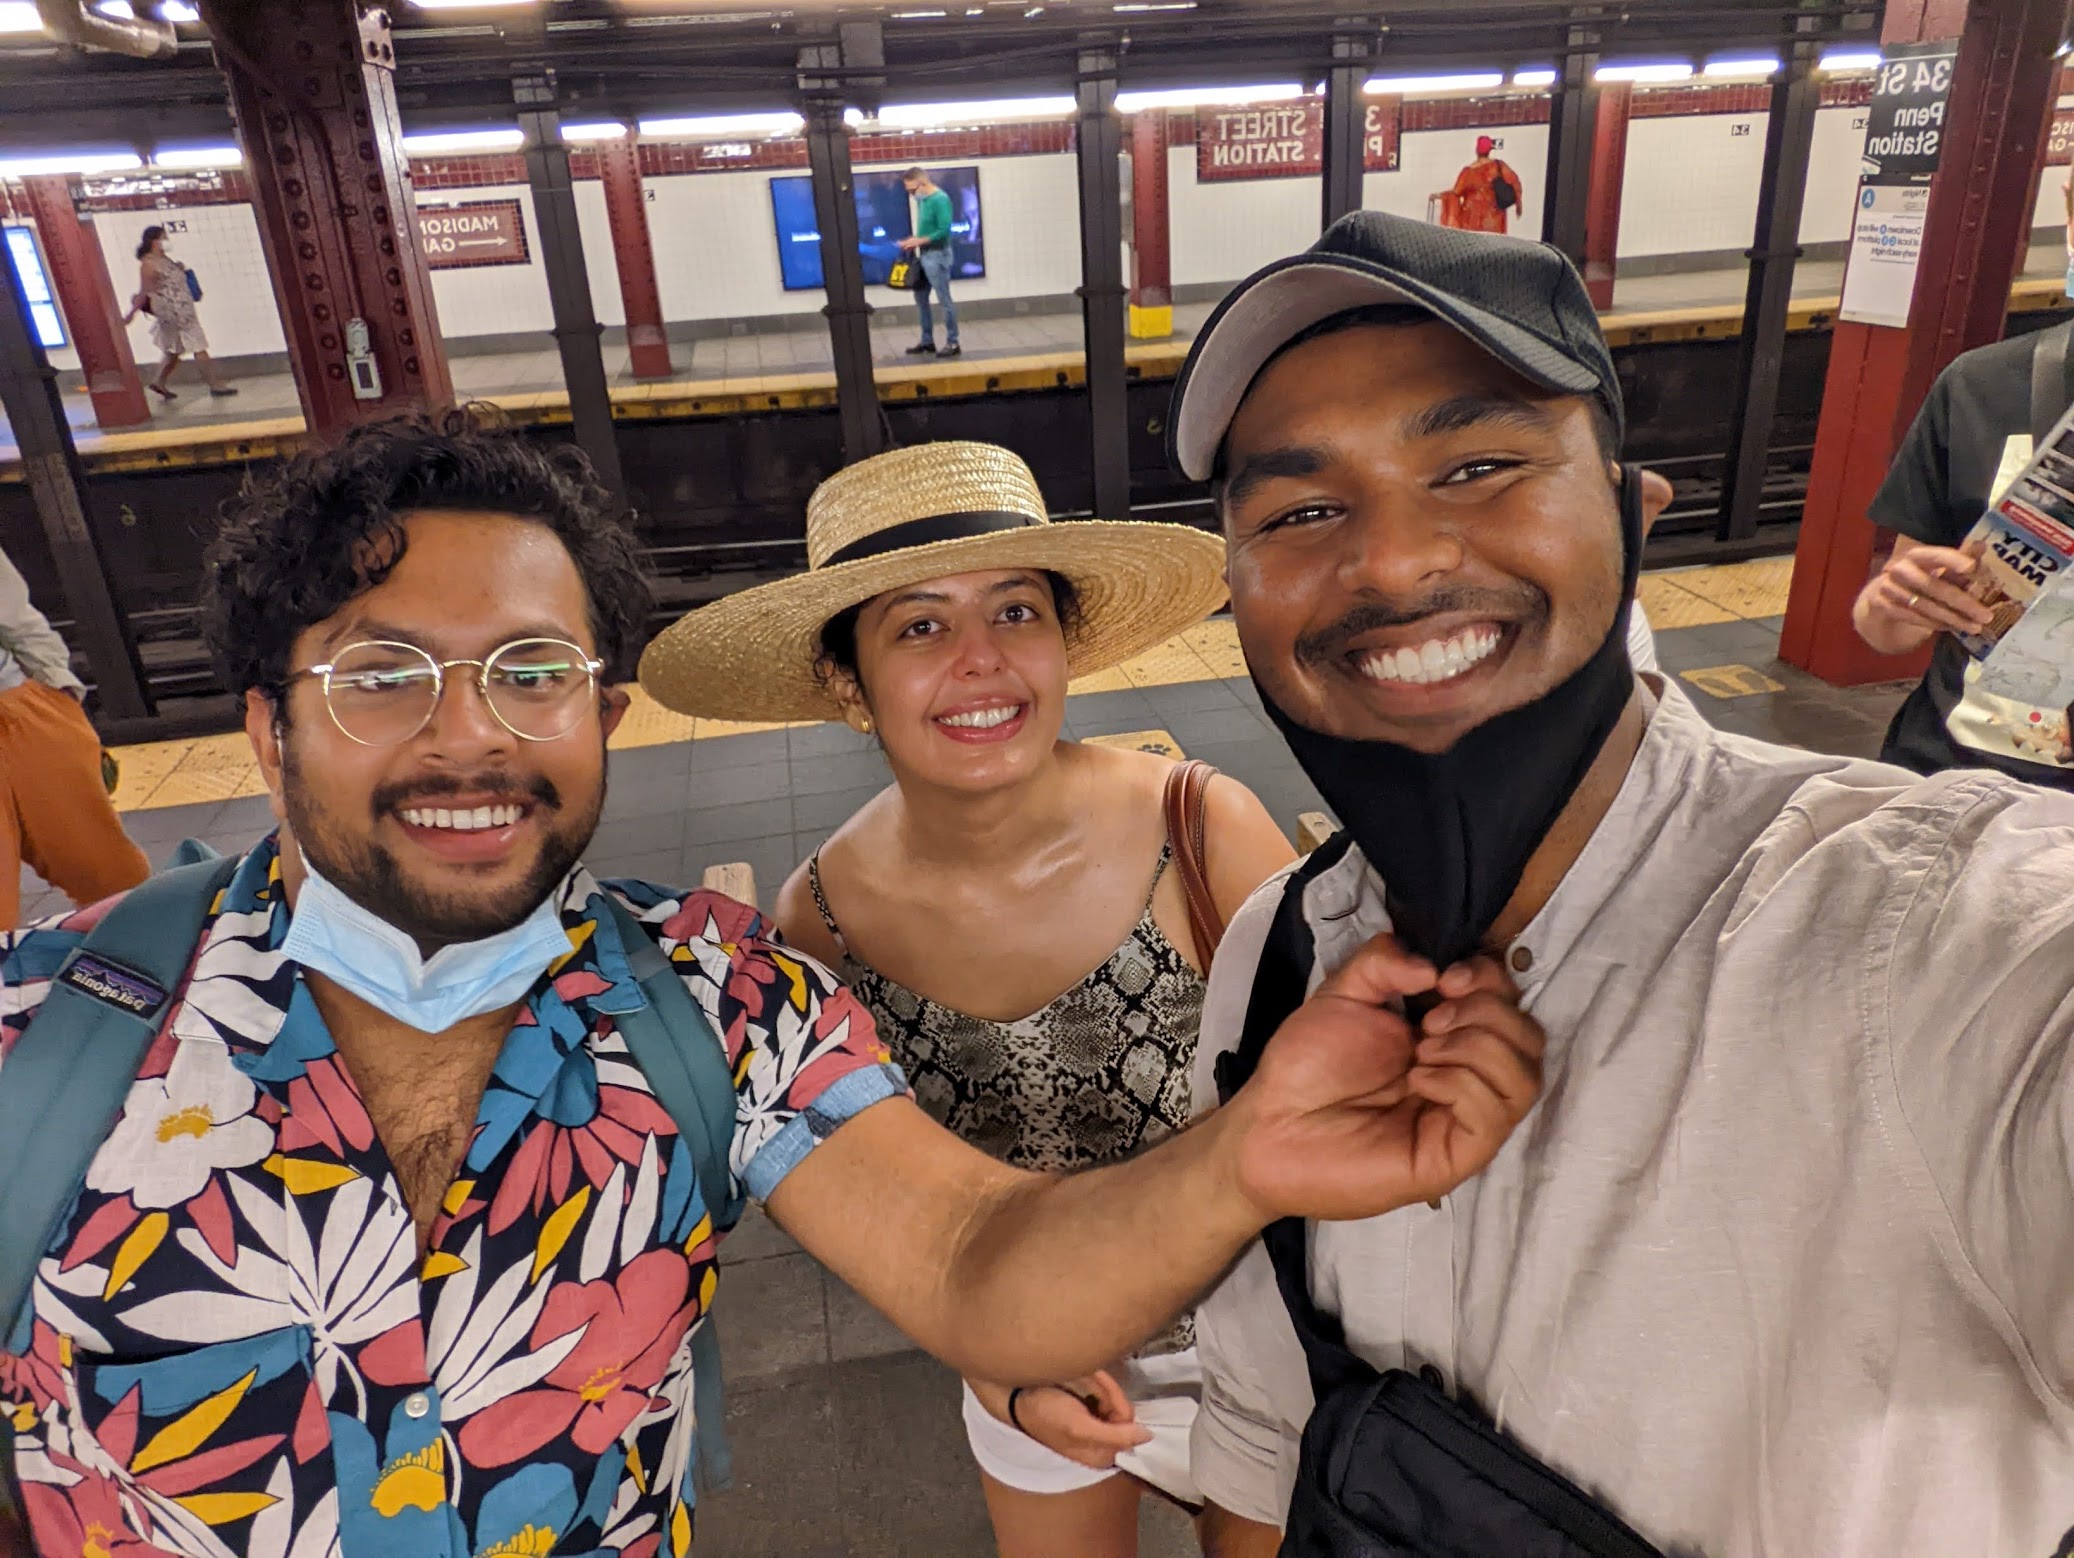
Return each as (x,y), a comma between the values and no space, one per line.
(1691,187)
(493,299)
(221,244)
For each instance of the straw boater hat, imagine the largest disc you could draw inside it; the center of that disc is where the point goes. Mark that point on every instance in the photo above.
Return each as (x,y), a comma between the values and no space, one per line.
(917,514)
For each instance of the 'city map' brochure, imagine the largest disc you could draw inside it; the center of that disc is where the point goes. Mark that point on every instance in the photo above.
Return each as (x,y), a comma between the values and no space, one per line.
(2023,549)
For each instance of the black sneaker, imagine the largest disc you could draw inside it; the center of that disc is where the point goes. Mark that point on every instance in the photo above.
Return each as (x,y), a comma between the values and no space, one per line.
(952,351)
(922,349)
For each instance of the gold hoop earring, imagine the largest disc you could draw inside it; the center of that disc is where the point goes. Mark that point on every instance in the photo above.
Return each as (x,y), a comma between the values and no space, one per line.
(864,725)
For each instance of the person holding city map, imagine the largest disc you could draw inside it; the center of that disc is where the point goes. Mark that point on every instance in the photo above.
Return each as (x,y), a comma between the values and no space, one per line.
(1994,696)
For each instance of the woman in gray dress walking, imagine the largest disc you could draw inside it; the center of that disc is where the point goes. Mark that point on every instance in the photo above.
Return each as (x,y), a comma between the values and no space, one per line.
(165,291)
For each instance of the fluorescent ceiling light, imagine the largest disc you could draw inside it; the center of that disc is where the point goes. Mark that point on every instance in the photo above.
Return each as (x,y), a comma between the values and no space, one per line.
(1156,5)
(919,16)
(1667,70)
(1851,59)
(700,127)
(1740,67)
(70,162)
(1206,97)
(1471,81)
(19,16)
(442,141)
(197,158)
(121,10)
(921,116)
(177,11)
(469,5)
(1540,76)
(603,130)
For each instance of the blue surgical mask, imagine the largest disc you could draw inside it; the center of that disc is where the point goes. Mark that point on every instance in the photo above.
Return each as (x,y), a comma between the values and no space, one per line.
(358,951)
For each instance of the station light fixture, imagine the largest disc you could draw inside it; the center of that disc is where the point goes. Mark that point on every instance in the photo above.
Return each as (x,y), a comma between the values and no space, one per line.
(443,143)
(1851,59)
(599,130)
(937,116)
(197,159)
(1207,97)
(471,5)
(1537,76)
(19,16)
(177,11)
(70,162)
(1655,70)
(1745,68)
(707,126)
(121,10)
(1154,5)
(1465,81)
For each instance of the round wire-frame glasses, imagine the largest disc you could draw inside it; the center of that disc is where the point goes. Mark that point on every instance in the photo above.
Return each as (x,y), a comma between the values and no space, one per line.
(381,693)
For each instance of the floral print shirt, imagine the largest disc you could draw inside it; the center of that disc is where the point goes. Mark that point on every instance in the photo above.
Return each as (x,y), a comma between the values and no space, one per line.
(232,1346)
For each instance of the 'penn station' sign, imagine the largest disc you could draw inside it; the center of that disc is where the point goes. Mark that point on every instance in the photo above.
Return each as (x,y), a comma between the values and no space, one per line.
(1285,140)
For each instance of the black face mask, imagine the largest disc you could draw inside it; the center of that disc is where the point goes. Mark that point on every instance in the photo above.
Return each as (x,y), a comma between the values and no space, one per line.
(1450,833)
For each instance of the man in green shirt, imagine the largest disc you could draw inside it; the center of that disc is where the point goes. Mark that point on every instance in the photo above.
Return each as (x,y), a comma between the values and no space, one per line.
(931,247)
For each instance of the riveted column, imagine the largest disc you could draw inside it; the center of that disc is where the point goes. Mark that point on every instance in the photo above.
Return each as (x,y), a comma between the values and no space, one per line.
(86,296)
(2002,85)
(312,86)
(1152,265)
(626,210)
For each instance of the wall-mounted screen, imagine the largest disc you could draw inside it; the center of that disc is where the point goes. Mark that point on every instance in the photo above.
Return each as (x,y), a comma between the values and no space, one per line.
(27,260)
(884,217)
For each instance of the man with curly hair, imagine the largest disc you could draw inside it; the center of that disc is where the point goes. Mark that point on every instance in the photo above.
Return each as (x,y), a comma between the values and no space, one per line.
(393,1248)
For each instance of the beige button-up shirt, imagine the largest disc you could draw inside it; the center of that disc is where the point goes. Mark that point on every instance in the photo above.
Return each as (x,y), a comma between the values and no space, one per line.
(1782,1263)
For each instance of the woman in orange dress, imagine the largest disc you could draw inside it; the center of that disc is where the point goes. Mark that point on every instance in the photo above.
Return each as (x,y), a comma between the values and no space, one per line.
(1473,203)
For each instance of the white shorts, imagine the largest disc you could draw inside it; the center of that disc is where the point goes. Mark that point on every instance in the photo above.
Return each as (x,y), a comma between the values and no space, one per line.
(1164,1391)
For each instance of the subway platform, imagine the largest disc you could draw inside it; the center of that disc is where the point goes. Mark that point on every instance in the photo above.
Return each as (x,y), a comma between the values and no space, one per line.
(793,367)
(847,1440)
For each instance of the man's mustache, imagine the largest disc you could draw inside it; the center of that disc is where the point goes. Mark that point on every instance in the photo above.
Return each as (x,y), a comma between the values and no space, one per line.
(1521,604)
(501,789)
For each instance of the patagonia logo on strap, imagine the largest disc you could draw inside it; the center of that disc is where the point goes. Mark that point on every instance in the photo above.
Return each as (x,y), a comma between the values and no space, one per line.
(113,985)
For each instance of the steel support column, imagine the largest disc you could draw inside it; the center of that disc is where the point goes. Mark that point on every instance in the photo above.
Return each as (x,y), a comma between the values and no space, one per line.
(626,212)
(1995,121)
(86,296)
(1098,141)
(57,488)
(576,329)
(842,277)
(1573,113)
(1152,266)
(312,86)
(1346,124)
(1774,250)
(1608,176)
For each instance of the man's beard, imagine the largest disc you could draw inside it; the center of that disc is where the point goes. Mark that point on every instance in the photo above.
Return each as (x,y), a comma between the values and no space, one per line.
(372,877)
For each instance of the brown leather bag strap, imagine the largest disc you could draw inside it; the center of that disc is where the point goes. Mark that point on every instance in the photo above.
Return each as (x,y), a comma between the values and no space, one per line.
(1187,801)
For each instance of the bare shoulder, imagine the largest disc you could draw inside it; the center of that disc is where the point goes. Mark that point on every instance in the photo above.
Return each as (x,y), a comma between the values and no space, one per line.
(846,855)
(1244,843)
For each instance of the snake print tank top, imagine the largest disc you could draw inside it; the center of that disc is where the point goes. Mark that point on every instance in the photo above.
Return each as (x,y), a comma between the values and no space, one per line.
(1094,1075)
(1101,1071)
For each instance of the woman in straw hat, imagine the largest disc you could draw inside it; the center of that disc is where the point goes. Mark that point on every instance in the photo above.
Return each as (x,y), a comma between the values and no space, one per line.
(1027,918)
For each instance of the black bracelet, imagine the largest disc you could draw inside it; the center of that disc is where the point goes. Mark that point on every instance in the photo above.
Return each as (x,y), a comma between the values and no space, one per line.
(1014,1396)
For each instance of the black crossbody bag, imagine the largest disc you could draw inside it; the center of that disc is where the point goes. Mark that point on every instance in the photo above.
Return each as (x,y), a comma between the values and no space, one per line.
(1391,1465)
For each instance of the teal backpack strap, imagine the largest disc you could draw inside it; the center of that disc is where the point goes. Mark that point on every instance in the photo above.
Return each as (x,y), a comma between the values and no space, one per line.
(685,1061)
(66,1078)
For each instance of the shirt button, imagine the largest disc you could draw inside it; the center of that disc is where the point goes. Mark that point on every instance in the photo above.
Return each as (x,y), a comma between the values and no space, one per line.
(417,1404)
(1432,1376)
(1522,960)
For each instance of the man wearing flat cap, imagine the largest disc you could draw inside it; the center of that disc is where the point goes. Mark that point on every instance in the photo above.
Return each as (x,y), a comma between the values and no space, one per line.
(1782,1262)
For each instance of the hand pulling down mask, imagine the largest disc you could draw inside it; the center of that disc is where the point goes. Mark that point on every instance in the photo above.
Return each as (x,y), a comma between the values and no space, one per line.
(1450,833)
